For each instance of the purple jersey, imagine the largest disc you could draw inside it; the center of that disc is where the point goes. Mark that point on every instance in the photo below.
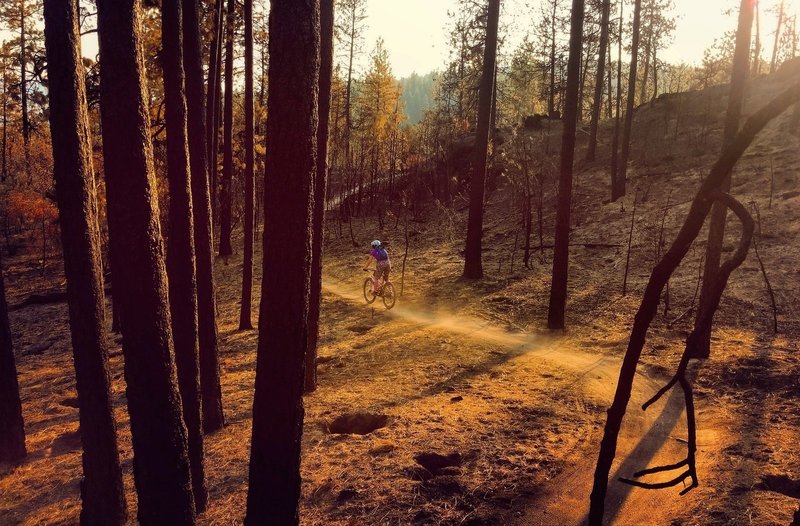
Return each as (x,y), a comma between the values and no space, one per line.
(380,254)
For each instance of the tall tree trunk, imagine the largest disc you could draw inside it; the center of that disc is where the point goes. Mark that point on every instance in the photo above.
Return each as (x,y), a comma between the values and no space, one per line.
(245,322)
(622,175)
(558,289)
(655,74)
(180,249)
(4,169)
(774,62)
(23,76)
(212,101)
(160,462)
(320,189)
(551,105)
(290,167)
(102,492)
(646,72)
(226,195)
(12,427)
(598,83)
(473,268)
(618,103)
(719,213)
(757,49)
(211,392)
(609,88)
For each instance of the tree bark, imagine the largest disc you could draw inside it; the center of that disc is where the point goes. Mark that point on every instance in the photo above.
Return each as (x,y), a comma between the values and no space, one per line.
(160,462)
(210,389)
(226,196)
(719,212)
(12,427)
(622,173)
(558,288)
(212,101)
(102,492)
(320,189)
(180,249)
(598,84)
(245,322)
(473,268)
(700,207)
(290,168)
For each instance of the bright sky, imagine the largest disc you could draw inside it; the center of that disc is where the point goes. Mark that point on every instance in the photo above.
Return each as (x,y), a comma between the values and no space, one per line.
(415,31)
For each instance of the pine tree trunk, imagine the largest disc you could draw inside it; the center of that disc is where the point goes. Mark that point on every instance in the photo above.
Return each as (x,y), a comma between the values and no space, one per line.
(757,48)
(622,173)
(320,189)
(180,249)
(617,104)
(719,212)
(558,289)
(211,392)
(23,78)
(212,101)
(102,492)
(245,322)
(551,105)
(12,427)
(160,462)
(598,83)
(226,195)
(291,165)
(473,268)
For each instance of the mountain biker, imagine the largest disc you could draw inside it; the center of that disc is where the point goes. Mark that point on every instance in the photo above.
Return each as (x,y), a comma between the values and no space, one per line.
(382,265)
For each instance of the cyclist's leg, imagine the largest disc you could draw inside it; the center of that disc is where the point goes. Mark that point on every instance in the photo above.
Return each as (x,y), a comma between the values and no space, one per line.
(376,279)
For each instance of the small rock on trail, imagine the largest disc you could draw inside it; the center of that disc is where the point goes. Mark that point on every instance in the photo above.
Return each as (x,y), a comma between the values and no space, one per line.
(359,423)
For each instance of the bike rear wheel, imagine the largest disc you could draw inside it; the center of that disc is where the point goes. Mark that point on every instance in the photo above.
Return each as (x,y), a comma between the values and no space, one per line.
(368,295)
(388,295)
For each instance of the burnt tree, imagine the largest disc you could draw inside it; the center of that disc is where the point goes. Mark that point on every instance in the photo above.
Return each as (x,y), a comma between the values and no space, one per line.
(210,388)
(245,321)
(180,249)
(719,212)
(12,427)
(226,195)
(473,267)
(290,168)
(320,189)
(620,179)
(598,83)
(160,462)
(558,287)
(699,209)
(102,492)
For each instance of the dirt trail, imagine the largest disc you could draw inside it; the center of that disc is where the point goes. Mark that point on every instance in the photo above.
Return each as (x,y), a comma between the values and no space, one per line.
(648,438)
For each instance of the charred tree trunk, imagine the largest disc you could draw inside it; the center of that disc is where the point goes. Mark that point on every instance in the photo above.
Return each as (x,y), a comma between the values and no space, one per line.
(598,83)
(12,427)
(320,189)
(618,104)
(700,207)
(290,167)
(180,249)
(160,462)
(211,392)
(245,322)
(719,213)
(773,64)
(102,492)
(212,102)
(473,268)
(622,168)
(558,289)
(226,195)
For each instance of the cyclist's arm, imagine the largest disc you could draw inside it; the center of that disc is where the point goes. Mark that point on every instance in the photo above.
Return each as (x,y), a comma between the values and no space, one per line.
(366,263)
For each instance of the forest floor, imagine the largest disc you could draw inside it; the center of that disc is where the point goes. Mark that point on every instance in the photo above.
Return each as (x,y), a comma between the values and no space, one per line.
(467,371)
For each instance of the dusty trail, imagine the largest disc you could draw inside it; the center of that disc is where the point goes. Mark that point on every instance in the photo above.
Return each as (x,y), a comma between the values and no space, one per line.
(647,438)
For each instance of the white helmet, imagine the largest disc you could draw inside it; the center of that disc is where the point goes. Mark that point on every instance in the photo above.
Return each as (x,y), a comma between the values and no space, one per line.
(376,243)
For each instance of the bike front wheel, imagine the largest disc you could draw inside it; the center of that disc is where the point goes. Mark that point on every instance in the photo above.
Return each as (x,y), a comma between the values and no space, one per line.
(388,295)
(368,295)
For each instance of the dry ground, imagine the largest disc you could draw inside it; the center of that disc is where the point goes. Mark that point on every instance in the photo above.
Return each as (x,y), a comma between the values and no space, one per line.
(466,368)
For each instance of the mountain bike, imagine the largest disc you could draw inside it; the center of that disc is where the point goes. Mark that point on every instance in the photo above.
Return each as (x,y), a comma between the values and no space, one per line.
(386,292)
